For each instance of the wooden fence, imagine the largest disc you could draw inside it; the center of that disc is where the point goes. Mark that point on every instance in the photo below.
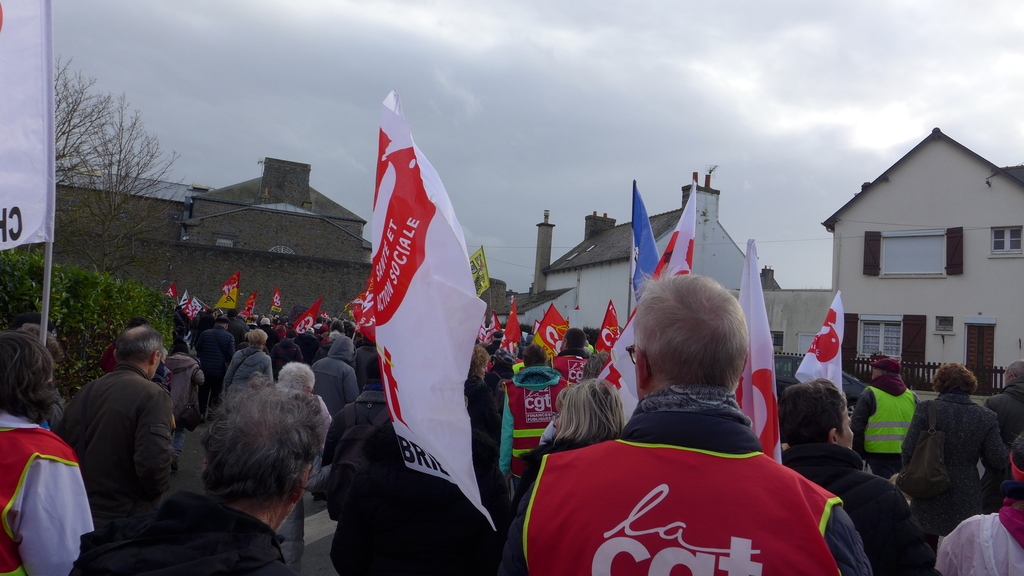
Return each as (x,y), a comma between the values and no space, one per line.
(918,375)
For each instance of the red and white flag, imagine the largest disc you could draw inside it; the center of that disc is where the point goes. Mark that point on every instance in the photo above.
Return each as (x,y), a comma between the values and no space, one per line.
(250,304)
(551,331)
(27,187)
(620,370)
(483,335)
(193,308)
(536,326)
(513,333)
(756,393)
(678,256)
(275,302)
(172,290)
(307,320)
(609,330)
(421,278)
(184,299)
(823,359)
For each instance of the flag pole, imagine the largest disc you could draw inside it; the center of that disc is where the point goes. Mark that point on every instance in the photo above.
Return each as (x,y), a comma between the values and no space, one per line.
(47,272)
(629,294)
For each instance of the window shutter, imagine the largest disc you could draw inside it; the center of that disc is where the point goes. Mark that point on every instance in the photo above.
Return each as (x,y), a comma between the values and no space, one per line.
(913,338)
(872,253)
(954,251)
(850,335)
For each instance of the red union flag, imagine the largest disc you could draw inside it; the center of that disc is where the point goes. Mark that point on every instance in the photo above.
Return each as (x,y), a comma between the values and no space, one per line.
(609,330)
(513,333)
(673,262)
(172,291)
(308,319)
(250,304)
(823,359)
(421,277)
(756,393)
(275,302)
(551,331)
(620,371)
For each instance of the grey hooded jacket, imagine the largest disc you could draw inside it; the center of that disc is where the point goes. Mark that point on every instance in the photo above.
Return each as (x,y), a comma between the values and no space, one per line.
(244,364)
(335,378)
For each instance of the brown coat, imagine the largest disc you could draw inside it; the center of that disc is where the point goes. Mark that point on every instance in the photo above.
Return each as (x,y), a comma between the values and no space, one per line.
(125,456)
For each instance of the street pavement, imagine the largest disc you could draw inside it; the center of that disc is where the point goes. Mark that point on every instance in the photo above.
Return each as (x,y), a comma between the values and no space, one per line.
(318,526)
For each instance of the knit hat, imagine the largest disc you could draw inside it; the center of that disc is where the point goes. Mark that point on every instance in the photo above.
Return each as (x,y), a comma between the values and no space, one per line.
(504,356)
(887,365)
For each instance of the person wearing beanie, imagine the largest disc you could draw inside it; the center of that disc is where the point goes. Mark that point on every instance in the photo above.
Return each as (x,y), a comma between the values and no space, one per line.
(492,348)
(881,418)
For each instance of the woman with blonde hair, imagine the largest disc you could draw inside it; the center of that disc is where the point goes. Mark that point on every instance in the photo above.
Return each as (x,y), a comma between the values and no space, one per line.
(589,413)
(249,361)
(970,431)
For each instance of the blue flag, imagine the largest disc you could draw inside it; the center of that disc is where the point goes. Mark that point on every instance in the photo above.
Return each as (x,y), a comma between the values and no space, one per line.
(644,255)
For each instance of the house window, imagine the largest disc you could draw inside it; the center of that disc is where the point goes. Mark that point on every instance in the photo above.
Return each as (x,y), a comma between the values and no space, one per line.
(282,249)
(881,337)
(1006,239)
(914,252)
(225,242)
(777,340)
(943,323)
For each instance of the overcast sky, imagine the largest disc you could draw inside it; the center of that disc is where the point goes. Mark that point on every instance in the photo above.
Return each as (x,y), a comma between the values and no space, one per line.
(525,106)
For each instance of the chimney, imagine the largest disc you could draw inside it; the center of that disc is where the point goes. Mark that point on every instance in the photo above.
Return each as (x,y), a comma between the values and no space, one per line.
(594,224)
(285,182)
(707,180)
(540,282)
(768,279)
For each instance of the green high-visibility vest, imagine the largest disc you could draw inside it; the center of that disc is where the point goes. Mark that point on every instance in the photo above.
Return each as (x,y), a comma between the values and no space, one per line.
(887,427)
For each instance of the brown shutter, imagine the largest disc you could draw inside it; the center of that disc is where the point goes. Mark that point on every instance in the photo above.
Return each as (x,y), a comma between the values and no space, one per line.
(913,338)
(972,346)
(954,251)
(872,253)
(850,335)
(988,346)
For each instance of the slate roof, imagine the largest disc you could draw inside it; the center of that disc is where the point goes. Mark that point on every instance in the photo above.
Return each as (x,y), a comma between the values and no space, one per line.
(612,243)
(530,301)
(248,192)
(1014,174)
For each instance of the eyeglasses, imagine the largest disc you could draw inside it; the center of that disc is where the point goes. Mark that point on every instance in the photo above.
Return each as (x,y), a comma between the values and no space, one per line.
(631,350)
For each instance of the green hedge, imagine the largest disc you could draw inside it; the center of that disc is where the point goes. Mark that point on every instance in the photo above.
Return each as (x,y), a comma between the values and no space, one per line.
(88,309)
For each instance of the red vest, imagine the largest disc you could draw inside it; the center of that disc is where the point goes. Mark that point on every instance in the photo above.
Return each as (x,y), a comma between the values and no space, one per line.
(21,447)
(570,367)
(532,410)
(620,508)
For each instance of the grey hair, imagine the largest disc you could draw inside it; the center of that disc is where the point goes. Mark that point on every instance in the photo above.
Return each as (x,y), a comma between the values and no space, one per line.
(136,344)
(259,445)
(590,412)
(692,331)
(1015,369)
(296,376)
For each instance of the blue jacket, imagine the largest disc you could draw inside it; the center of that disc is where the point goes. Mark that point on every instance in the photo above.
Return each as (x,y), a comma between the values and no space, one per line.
(713,431)
(214,348)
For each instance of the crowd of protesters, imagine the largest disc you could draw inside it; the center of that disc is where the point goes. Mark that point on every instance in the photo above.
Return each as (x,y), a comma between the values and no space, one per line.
(572,483)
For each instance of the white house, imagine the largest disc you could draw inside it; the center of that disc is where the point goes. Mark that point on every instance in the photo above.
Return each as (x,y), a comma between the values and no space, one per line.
(929,259)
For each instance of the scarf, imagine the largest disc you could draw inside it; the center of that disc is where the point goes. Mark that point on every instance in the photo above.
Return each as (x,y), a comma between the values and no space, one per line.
(890,383)
(1010,517)
(695,398)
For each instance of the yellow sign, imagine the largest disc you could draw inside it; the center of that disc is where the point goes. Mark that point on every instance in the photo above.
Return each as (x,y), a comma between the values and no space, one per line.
(478,266)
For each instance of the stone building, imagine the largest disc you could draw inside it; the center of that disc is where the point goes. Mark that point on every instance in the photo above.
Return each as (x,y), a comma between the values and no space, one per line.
(275,228)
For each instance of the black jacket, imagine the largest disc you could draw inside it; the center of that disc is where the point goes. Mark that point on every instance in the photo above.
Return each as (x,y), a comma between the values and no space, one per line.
(400,521)
(716,432)
(1009,408)
(483,414)
(189,534)
(214,348)
(893,540)
(272,337)
(309,344)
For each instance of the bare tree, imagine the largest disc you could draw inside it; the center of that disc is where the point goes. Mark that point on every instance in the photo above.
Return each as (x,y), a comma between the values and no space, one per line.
(109,170)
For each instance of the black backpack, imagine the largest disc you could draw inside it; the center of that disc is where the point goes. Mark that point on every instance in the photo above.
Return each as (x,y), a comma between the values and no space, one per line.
(348,454)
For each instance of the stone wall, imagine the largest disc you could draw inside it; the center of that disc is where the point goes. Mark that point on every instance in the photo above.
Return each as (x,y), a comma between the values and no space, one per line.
(202,270)
(286,182)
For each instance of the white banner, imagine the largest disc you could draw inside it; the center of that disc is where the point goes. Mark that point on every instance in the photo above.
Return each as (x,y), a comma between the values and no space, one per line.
(824,359)
(27,166)
(620,370)
(422,283)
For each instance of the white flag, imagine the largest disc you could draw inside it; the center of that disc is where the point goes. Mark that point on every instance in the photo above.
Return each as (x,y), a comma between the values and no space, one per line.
(823,359)
(620,370)
(678,256)
(756,392)
(27,163)
(421,284)
(184,299)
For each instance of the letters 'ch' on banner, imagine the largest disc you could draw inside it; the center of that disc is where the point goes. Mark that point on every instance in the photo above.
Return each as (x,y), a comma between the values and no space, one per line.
(307,320)
(609,330)
(275,302)
(27,164)
(478,267)
(756,392)
(421,277)
(513,333)
(823,359)
(551,331)
(229,292)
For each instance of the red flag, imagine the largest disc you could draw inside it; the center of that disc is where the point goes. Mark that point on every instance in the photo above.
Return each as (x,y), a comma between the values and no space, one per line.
(362,311)
(250,304)
(229,292)
(609,330)
(536,326)
(513,334)
(484,333)
(172,291)
(673,263)
(275,302)
(551,331)
(193,307)
(308,318)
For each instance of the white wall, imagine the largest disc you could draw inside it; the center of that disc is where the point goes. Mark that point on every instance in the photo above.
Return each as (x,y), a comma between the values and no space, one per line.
(939,187)
(796,312)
